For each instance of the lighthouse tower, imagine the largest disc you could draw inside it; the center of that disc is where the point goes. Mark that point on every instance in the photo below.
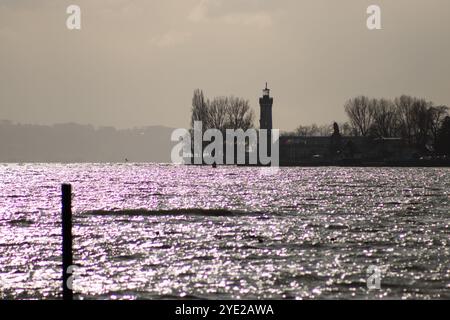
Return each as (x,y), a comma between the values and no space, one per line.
(265,103)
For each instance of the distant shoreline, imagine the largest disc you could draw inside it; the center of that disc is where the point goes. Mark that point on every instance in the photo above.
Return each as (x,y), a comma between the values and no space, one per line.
(399,164)
(362,164)
(394,164)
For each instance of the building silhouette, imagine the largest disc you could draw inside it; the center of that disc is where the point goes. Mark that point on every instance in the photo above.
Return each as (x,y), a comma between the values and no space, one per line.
(265,120)
(334,149)
(266,103)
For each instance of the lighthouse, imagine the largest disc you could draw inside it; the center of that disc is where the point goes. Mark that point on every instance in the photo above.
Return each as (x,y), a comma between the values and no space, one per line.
(265,121)
(265,103)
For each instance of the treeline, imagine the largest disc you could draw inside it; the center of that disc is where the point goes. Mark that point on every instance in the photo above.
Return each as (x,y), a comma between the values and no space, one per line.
(71,142)
(419,122)
(221,112)
(324,130)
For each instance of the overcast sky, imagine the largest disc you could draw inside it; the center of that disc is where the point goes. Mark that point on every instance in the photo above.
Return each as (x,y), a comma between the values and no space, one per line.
(137,62)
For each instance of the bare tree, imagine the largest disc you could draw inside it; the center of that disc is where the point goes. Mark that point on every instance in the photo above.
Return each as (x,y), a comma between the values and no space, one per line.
(385,122)
(403,106)
(443,139)
(239,114)
(415,120)
(221,113)
(437,115)
(199,111)
(218,111)
(360,112)
(419,120)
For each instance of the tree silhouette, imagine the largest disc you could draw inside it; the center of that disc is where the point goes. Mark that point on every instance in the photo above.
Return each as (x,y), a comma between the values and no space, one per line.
(443,137)
(360,112)
(221,112)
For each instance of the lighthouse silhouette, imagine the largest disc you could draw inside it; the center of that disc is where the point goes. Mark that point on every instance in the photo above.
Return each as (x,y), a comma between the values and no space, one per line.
(265,120)
(265,103)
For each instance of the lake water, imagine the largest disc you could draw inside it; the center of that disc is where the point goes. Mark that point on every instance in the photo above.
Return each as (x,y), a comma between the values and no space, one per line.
(143,231)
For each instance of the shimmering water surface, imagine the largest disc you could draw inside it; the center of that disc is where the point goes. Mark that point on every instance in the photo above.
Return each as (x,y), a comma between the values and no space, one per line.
(142,231)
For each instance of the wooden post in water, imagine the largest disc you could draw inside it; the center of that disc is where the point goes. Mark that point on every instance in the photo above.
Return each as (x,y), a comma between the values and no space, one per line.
(66,239)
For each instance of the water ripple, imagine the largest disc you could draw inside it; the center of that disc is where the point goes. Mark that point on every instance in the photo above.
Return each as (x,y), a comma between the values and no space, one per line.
(146,231)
